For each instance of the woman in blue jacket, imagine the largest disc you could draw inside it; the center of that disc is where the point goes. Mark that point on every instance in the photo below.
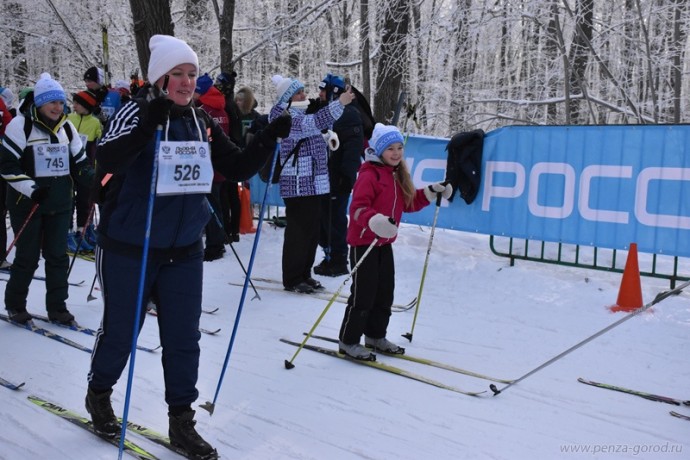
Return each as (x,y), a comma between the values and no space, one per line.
(174,271)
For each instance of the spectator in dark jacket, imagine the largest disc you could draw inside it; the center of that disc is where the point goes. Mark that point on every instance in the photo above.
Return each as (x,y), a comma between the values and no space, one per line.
(343,164)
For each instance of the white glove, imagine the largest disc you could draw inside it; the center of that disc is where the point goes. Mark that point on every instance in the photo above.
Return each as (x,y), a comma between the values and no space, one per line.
(332,140)
(383,227)
(446,190)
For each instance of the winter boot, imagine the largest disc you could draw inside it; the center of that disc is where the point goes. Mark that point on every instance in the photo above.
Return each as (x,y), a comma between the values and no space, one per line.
(183,436)
(383,345)
(61,316)
(84,246)
(314,284)
(19,315)
(102,416)
(302,288)
(356,351)
(335,266)
(323,266)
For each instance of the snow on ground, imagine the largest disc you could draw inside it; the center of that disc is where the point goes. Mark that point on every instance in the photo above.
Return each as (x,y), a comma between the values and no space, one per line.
(476,312)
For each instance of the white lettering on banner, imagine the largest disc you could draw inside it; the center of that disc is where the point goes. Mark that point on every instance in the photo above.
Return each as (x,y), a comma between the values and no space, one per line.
(491,190)
(659,220)
(600,215)
(644,178)
(555,212)
(424,165)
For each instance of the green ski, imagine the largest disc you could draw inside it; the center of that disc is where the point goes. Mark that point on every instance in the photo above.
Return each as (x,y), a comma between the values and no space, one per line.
(384,367)
(428,362)
(83,422)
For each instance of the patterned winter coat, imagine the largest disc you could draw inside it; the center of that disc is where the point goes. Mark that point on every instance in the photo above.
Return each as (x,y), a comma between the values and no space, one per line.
(377,192)
(306,172)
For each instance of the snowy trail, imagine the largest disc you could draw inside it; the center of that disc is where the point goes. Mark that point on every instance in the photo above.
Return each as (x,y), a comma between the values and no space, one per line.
(476,312)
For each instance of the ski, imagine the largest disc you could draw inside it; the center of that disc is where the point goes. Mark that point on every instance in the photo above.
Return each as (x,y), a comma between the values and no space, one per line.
(642,394)
(317,294)
(30,326)
(279,283)
(83,422)
(209,311)
(325,295)
(208,331)
(679,415)
(384,367)
(428,362)
(85,330)
(10,385)
(155,437)
(43,278)
(85,256)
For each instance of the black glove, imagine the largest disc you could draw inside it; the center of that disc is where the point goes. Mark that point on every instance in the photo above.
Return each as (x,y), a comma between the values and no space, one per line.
(40,193)
(280,127)
(159,111)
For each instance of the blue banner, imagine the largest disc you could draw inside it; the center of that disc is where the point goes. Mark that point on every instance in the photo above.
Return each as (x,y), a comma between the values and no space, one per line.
(603,186)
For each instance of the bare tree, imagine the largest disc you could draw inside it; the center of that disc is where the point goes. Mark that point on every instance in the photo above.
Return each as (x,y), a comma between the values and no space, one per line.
(393,59)
(226,20)
(364,33)
(150,17)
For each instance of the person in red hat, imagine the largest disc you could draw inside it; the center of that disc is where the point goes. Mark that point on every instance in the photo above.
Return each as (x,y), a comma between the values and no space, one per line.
(90,129)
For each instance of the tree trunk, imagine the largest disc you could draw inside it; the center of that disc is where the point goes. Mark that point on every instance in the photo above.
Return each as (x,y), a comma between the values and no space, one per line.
(18,48)
(227,21)
(391,64)
(579,53)
(150,17)
(364,32)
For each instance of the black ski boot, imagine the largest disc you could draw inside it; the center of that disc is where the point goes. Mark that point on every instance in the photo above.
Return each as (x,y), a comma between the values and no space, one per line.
(183,436)
(62,317)
(334,267)
(102,416)
(19,315)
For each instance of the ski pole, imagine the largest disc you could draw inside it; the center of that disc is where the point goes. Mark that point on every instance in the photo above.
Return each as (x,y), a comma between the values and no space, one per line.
(288,364)
(91,297)
(82,236)
(142,277)
(211,405)
(256,293)
(21,229)
(659,297)
(408,335)
(220,224)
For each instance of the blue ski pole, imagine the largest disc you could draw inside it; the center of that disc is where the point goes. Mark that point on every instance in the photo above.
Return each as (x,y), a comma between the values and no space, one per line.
(142,278)
(210,406)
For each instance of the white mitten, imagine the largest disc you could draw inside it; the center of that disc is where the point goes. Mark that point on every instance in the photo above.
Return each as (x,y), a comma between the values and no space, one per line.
(446,190)
(383,227)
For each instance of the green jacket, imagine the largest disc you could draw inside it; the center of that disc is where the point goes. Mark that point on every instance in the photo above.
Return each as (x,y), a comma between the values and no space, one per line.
(17,165)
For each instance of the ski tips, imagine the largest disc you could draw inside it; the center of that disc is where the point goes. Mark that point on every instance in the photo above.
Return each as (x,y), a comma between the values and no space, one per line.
(493,388)
(209,406)
(408,336)
(288,365)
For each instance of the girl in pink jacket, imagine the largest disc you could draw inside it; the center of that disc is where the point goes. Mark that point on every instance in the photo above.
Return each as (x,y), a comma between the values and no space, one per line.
(382,192)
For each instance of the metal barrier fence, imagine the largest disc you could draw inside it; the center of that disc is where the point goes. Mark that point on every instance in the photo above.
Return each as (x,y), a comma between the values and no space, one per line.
(671,268)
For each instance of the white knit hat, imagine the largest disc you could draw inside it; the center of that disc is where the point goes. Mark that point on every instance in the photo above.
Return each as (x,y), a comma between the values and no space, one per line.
(166,53)
(7,96)
(48,90)
(286,87)
(382,137)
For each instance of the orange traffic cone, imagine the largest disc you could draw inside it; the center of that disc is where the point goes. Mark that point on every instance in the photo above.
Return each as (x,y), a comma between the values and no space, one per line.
(246,218)
(630,293)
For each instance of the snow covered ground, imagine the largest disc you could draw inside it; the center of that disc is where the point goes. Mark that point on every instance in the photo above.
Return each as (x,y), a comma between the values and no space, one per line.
(476,312)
